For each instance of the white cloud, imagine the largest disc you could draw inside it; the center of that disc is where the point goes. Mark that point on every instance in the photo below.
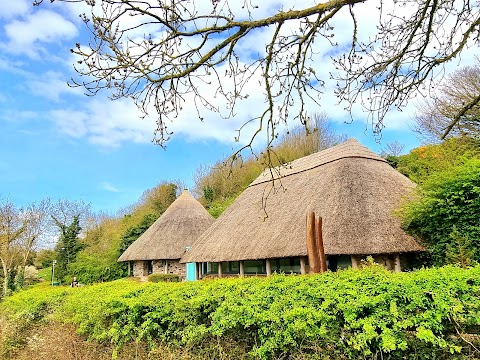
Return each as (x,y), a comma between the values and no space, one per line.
(71,122)
(104,122)
(51,85)
(27,36)
(105,185)
(14,8)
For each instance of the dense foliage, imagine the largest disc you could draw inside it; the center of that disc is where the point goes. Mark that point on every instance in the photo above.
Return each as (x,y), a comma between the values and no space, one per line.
(424,161)
(352,314)
(446,213)
(110,237)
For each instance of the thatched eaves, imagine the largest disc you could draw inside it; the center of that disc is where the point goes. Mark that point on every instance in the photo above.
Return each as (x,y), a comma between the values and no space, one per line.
(354,190)
(178,227)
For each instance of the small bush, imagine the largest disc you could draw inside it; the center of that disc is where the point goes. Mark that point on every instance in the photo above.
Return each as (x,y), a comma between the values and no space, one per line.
(163,278)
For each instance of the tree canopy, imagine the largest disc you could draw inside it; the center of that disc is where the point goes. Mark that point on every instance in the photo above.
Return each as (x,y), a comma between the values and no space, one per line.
(169,55)
(444,211)
(446,214)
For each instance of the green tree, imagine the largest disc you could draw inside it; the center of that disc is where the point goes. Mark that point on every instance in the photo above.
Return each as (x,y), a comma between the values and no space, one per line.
(427,160)
(44,258)
(447,209)
(68,245)
(134,232)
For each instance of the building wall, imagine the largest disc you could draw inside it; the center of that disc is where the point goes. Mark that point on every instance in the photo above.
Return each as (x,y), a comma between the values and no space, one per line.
(174,267)
(140,268)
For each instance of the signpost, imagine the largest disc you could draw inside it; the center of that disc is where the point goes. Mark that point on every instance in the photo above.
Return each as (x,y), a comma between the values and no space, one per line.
(53,271)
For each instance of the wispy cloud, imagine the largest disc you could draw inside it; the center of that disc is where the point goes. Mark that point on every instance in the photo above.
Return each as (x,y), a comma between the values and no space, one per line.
(105,185)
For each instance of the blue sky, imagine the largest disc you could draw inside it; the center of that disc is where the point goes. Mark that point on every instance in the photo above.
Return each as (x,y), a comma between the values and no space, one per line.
(56,142)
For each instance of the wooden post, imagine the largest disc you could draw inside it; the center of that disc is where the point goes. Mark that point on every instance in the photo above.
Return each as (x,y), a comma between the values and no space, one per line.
(220,274)
(129,268)
(354,262)
(268,266)
(242,269)
(311,244)
(302,265)
(165,267)
(199,270)
(389,263)
(319,243)
(398,266)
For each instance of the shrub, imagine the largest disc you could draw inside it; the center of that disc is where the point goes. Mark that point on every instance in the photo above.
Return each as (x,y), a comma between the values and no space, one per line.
(163,278)
(352,314)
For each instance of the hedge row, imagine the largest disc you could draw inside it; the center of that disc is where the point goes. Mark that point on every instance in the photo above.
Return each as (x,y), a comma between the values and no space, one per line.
(351,314)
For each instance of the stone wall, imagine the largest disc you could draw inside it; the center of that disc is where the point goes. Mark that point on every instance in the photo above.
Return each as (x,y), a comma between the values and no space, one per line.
(140,268)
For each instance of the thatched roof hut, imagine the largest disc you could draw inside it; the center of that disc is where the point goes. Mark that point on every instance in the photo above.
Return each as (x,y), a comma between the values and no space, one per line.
(353,189)
(178,227)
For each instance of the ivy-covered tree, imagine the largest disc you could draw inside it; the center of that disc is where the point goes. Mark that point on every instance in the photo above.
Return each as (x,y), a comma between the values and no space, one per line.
(446,213)
(68,244)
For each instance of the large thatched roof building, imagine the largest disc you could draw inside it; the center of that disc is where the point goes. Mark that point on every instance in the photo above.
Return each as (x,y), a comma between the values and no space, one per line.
(159,249)
(353,189)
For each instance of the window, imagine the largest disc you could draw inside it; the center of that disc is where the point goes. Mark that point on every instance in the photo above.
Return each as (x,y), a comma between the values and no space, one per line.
(255,267)
(231,267)
(337,262)
(286,265)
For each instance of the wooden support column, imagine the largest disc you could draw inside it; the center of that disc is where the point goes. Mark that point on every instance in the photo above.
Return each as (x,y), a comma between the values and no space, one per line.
(268,266)
(242,268)
(354,262)
(398,266)
(319,243)
(220,274)
(303,269)
(199,270)
(389,263)
(311,244)
(165,267)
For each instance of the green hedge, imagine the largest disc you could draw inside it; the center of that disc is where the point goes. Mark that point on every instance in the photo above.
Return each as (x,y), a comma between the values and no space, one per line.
(163,278)
(351,314)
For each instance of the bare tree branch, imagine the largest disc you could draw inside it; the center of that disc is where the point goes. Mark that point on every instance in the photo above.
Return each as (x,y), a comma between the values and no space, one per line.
(454,109)
(165,54)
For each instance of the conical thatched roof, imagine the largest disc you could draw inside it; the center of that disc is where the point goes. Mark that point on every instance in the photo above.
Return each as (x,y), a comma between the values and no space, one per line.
(353,189)
(179,226)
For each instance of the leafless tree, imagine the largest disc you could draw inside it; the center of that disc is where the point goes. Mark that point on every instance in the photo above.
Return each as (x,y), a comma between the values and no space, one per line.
(20,230)
(164,54)
(394,148)
(63,213)
(455,109)
(35,217)
(12,226)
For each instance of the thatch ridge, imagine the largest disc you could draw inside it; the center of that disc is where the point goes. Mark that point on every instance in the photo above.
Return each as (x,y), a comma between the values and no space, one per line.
(352,188)
(178,227)
(349,149)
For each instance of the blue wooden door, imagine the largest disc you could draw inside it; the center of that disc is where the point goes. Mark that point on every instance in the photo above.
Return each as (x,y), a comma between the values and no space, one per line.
(191,271)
